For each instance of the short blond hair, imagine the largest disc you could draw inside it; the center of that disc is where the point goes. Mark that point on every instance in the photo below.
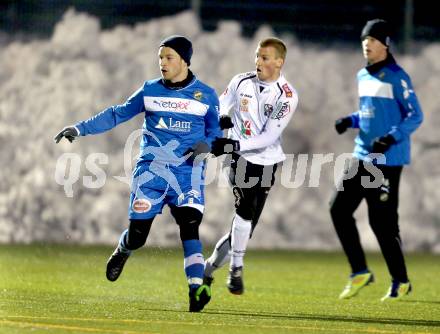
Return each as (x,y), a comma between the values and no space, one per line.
(276,43)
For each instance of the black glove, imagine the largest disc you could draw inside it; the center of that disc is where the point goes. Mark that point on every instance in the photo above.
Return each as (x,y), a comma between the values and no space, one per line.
(225,122)
(342,124)
(224,145)
(70,132)
(198,152)
(382,144)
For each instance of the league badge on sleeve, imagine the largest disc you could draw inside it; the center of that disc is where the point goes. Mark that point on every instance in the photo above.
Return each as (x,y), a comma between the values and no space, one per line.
(287,90)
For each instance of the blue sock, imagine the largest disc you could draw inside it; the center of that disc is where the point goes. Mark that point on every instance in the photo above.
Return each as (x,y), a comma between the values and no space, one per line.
(193,262)
(122,243)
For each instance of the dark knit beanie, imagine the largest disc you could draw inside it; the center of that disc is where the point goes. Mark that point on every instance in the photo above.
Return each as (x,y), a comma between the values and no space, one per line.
(181,45)
(378,29)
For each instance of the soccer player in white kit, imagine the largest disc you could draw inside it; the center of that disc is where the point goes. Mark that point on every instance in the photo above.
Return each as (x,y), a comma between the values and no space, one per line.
(261,104)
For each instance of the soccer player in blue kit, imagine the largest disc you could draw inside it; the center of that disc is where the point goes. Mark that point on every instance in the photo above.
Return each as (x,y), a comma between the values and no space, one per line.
(389,112)
(181,121)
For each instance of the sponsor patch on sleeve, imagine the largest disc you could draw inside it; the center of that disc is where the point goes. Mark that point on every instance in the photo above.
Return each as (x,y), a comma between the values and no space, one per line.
(287,90)
(282,109)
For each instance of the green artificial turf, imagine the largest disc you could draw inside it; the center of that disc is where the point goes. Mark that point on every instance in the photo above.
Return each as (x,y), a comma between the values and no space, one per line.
(63,289)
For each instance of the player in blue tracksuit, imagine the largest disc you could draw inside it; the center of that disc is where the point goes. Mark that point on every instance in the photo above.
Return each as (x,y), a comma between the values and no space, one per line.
(181,121)
(388,114)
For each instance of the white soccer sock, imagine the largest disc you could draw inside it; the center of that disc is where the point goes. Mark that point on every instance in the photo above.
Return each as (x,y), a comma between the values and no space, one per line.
(219,256)
(240,234)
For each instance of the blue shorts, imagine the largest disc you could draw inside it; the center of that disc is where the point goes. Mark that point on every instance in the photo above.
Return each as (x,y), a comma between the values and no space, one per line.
(150,191)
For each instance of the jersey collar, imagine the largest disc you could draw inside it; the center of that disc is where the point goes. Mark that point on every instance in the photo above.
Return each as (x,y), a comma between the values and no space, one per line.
(180,84)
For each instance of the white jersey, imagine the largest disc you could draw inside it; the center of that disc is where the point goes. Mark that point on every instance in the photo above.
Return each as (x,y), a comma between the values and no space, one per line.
(261,111)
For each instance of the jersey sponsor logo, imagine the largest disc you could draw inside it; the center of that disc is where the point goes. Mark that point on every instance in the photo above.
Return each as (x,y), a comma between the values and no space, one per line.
(175,105)
(246,95)
(177,126)
(198,95)
(161,124)
(287,90)
(141,205)
(268,109)
(246,129)
(282,109)
(244,105)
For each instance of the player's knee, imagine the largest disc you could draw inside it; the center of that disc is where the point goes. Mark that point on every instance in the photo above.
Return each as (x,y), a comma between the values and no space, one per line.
(385,226)
(249,204)
(241,224)
(138,232)
(246,210)
(189,220)
(337,212)
(189,231)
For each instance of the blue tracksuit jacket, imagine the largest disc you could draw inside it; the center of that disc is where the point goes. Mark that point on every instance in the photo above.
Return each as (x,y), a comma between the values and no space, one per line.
(387,105)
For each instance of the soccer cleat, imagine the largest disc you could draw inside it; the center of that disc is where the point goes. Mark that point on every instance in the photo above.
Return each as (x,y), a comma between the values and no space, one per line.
(115,264)
(355,283)
(397,290)
(235,281)
(199,297)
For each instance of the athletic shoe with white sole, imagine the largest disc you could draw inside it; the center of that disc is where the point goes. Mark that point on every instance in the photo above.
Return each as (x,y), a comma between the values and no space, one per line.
(356,283)
(397,290)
